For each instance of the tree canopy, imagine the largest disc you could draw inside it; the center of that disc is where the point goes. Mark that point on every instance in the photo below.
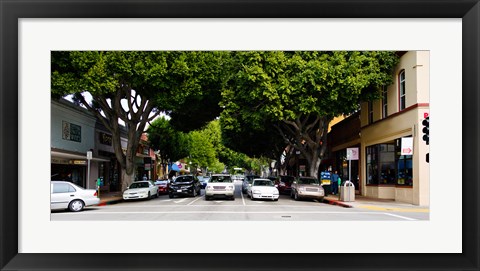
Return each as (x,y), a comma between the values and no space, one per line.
(300,92)
(135,86)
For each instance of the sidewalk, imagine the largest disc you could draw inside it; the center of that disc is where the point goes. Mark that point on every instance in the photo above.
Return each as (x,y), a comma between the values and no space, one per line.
(375,204)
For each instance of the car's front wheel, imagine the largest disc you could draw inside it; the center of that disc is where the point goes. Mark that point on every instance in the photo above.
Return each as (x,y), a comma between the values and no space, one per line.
(76,205)
(295,196)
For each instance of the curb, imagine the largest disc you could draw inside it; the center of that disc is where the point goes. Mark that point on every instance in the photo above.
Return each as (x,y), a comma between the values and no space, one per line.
(337,202)
(110,202)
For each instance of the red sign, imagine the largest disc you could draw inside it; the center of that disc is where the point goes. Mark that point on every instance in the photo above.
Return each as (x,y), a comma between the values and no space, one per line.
(406,151)
(425,115)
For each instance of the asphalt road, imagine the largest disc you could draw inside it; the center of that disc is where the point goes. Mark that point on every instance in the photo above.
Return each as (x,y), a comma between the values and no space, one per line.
(240,209)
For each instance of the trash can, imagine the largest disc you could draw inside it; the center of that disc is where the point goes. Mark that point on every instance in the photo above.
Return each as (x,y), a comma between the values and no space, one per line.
(347,191)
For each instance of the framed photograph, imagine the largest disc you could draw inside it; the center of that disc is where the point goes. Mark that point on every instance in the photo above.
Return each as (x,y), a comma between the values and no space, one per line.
(30,30)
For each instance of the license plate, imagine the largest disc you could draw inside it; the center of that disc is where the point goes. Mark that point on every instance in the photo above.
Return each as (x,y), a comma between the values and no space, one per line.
(180,190)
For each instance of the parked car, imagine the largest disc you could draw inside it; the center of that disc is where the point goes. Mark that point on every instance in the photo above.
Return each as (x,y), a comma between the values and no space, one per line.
(185,185)
(237,177)
(247,182)
(203,180)
(263,189)
(220,185)
(307,187)
(141,190)
(66,195)
(162,186)
(284,184)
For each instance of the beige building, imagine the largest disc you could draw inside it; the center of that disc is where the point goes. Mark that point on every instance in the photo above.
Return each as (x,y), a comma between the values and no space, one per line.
(392,152)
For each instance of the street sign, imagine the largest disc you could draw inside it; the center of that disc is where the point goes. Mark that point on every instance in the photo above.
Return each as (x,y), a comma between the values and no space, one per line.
(352,153)
(407,146)
(89,155)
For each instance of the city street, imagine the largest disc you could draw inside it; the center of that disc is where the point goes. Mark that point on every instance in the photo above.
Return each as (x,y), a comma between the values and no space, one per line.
(240,209)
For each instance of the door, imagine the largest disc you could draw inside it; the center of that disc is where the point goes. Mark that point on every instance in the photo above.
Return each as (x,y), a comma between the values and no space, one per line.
(61,194)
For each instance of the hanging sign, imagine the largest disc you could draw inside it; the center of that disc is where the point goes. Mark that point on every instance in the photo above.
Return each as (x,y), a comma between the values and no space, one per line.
(407,146)
(352,153)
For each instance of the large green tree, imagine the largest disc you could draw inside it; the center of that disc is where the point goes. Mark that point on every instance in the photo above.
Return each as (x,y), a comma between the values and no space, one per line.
(172,145)
(134,87)
(300,92)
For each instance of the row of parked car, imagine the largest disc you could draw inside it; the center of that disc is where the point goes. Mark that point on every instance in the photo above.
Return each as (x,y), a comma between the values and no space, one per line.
(222,185)
(297,188)
(66,195)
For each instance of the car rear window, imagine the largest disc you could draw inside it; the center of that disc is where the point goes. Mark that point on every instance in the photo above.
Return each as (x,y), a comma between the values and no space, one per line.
(182,179)
(263,183)
(220,179)
(307,181)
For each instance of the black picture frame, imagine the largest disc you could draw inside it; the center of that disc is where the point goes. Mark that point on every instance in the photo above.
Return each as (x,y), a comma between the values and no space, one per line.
(11,11)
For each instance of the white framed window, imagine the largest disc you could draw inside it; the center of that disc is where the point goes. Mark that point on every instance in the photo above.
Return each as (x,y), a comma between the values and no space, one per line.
(384,102)
(402,91)
(370,112)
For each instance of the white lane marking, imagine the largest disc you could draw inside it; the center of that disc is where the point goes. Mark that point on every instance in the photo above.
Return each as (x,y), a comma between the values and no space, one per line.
(272,203)
(219,201)
(195,200)
(399,216)
(229,212)
(180,201)
(243,199)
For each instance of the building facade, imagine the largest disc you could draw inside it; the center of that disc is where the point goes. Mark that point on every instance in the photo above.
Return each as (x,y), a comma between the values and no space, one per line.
(393,156)
(74,132)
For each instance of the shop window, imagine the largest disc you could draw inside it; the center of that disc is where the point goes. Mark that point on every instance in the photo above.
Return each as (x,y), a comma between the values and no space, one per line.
(381,164)
(372,165)
(404,168)
(402,91)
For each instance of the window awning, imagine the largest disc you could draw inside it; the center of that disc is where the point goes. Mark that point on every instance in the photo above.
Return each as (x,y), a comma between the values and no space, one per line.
(78,156)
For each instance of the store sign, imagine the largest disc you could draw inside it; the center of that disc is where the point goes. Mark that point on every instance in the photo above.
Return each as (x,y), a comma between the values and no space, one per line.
(79,162)
(407,146)
(71,131)
(105,139)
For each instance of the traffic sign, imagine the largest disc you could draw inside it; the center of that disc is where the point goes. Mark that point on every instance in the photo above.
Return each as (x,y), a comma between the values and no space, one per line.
(352,153)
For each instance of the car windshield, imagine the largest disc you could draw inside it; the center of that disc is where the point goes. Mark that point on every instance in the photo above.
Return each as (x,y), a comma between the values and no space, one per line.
(183,179)
(262,183)
(220,179)
(139,185)
(307,181)
(287,179)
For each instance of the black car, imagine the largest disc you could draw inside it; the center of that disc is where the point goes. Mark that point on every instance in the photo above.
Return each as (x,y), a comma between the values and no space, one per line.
(185,185)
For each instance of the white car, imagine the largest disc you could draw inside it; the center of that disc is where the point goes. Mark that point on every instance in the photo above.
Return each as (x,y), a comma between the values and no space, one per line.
(66,195)
(220,185)
(263,189)
(141,190)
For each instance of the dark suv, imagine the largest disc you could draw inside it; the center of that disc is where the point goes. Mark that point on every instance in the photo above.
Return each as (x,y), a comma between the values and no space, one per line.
(185,185)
